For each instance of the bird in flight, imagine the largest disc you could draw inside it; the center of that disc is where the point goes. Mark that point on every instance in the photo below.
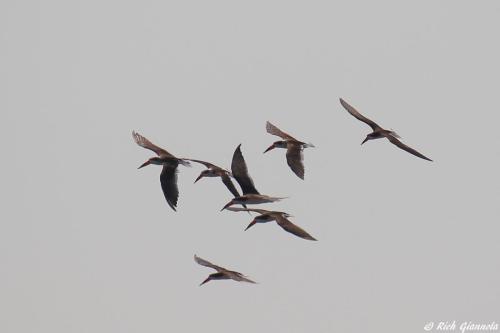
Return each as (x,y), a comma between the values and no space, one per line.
(222,273)
(281,219)
(379,132)
(168,176)
(294,149)
(250,194)
(213,170)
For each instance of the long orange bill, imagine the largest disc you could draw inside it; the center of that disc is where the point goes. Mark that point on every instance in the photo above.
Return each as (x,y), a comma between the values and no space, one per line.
(251,224)
(199,177)
(205,281)
(144,164)
(227,205)
(268,149)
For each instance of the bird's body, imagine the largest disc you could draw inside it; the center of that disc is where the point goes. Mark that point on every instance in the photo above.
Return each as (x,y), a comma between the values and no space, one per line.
(250,194)
(168,176)
(294,149)
(222,273)
(379,132)
(281,219)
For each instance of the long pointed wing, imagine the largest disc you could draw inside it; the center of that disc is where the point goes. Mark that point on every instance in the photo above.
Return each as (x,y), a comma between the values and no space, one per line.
(145,143)
(401,145)
(358,115)
(168,181)
(207,164)
(239,277)
(206,263)
(292,228)
(295,159)
(240,173)
(271,129)
(229,184)
(260,211)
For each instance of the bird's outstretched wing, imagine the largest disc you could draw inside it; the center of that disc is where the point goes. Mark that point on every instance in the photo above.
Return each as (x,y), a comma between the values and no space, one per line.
(271,129)
(168,180)
(239,277)
(401,145)
(207,164)
(229,184)
(240,173)
(358,115)
(292,228)
(206,263)
(145,143)
(255,210)
(295,159)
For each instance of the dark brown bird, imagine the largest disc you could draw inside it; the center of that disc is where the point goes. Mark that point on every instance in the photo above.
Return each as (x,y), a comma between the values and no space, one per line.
(294,149)
(168,176)
(215,171)
(250,194)
(379,132)
(279,217)
(222,273)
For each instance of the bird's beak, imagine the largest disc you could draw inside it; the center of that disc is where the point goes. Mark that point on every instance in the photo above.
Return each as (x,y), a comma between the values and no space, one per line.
(199,177)
(227,205)
(268,149)
(144,164)
(366,139)
(205,281)
(251,224)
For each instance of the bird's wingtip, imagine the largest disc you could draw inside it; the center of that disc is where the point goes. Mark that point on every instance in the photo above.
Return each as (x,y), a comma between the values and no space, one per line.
(309,145)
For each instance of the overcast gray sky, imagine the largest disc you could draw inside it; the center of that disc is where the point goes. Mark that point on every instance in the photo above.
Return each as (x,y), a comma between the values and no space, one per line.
(88,243)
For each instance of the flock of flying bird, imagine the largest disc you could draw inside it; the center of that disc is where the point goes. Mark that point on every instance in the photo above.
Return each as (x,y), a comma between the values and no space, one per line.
(250,195)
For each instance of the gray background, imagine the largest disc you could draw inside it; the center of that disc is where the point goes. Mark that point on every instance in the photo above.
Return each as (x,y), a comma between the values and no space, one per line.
(88,243)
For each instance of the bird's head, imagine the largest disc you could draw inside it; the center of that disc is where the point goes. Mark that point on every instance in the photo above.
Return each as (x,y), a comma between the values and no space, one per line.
(152,160)
(204,173)
(277,144)
(368,137)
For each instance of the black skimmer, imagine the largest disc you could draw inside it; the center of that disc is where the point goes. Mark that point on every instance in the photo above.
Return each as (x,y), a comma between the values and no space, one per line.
(250,194)
(379,132)
(294,149)
(281,219)
(168,176)
(222,273)
(215,171)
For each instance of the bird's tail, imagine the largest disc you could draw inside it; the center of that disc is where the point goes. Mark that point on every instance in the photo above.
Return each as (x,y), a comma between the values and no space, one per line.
(394,134)
(309,145)
(184,162)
